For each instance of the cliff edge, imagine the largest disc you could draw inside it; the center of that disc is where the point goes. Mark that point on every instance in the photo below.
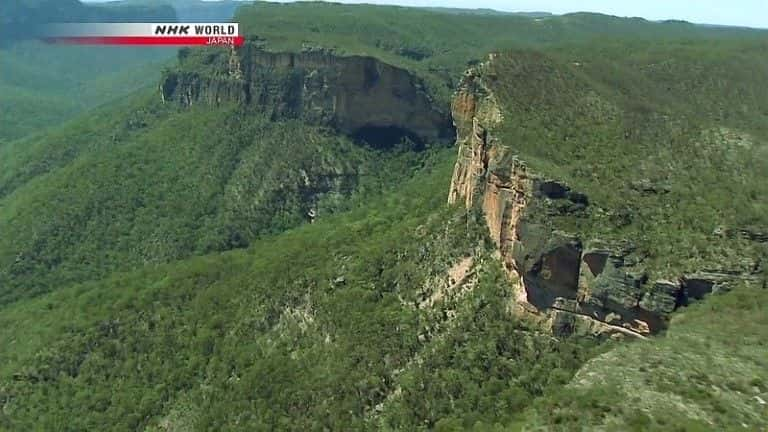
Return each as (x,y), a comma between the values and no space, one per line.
(360,96)
(574,284)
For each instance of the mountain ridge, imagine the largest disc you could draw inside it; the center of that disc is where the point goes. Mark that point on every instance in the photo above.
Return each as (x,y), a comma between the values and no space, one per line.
(576,278)
(202,263)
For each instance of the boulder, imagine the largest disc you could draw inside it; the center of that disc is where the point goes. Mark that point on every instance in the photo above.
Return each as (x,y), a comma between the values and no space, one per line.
(563,323)
(614,289)
(608,292)
(649,187)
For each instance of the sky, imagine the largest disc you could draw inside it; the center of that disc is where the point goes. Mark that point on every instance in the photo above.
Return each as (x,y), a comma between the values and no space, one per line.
(750,13)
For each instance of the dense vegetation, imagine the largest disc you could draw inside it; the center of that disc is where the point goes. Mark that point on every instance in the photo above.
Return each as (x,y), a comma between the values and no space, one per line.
(439,43)
(74,79)
(191,10)
(155,184)
(668,142)
(42,85)
(158,271)
(310,329)
(709,373)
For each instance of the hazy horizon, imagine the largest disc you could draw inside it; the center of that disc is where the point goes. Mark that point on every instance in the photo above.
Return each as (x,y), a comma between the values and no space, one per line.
(745,13)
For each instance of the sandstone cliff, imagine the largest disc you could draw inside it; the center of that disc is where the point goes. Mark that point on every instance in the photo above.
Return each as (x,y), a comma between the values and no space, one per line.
(360,96)
(575,284)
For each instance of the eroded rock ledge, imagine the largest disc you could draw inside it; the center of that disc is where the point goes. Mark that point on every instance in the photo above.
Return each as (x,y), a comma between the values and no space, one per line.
(360,96)
(576,286)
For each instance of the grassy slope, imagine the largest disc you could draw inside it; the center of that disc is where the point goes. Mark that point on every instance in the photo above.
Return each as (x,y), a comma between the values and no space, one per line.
(710,372)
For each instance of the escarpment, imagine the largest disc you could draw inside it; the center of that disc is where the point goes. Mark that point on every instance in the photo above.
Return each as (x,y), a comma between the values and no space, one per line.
(359,96)
(579,285)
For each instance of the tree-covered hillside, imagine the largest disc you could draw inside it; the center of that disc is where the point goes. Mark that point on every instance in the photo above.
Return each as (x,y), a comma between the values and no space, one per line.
(236,246)
(707,374)
(193,10)
(43,85)
(439,44)
(661,154)
(152,184)
(668,141)
(19,17)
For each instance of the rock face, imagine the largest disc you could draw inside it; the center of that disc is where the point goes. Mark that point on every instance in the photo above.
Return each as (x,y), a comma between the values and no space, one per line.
(589,288)
(474,110)
(360,96)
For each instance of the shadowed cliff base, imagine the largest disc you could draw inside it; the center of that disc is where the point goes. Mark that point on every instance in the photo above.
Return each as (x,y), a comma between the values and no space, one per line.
(362,97)
(387,137)
(622,257)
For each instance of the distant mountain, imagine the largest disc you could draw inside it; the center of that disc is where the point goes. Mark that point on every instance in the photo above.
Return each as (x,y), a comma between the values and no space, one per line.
(78,78)
(483,11)
(17,16)
(279,237)
(41,84)
(192,10)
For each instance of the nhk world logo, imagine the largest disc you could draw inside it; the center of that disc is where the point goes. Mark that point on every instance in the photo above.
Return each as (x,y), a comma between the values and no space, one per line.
(164,34)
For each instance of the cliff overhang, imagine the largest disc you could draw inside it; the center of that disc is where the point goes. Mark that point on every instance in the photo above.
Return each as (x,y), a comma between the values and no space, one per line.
(576,285)
(359,96)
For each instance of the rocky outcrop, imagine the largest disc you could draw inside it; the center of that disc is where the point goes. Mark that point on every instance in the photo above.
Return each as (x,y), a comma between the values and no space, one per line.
(751,234)
(591,288)
(558,274)
(474,111)
(360,96)
(649,187)
(696,286)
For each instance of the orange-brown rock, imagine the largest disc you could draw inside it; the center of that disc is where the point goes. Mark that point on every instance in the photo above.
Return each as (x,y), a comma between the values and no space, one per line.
(546,268)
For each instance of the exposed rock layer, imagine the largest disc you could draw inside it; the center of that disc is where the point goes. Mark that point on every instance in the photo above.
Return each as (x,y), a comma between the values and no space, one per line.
(585,288)
(361,96)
